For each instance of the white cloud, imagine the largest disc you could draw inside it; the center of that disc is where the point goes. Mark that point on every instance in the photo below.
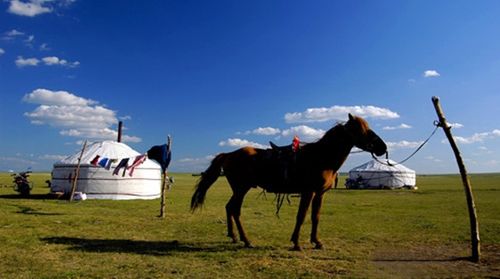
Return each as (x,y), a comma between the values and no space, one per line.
(13,33)
(76,116)
(17,160)
(96,133)
(44,47)
(482,151)
(455,125)
(2,51)
(433,159)
(30,39)
(304,132)
(237,142)
(403,144)
(191,164)
(205,159)
(339,113)
(53,60)
(48,97)
(431,73)
(31,8)
(48,61)
(52,157)
(22,62)
(126,117)
(402,126)
(477,137)
(264,131)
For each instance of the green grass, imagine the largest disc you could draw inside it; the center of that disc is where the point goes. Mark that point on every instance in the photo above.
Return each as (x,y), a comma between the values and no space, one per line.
(423,233)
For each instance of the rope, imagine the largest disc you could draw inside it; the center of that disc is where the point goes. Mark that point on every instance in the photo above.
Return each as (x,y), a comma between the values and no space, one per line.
(437,124)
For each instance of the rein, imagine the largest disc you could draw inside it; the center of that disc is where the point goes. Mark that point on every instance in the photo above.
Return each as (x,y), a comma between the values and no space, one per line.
(388,163)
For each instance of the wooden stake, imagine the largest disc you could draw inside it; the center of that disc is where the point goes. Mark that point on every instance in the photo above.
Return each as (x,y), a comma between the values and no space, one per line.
(120,128)
(77,172)
(164,185)
(474,225)
(163,194)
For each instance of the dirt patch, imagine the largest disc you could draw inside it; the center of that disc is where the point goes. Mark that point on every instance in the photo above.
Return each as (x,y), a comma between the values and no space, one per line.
(436,261)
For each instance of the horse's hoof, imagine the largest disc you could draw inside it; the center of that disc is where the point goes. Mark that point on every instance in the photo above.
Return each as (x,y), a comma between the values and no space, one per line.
(318,246)
(296,248)
(248,245)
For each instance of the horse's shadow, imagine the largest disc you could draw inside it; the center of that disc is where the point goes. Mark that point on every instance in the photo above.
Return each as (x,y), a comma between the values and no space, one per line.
(32,211)
(29,197)
(143,247)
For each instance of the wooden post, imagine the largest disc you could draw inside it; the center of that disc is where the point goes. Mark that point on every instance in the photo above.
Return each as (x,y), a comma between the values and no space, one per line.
(77,173)
(164,184)
(474,225)
(120,127)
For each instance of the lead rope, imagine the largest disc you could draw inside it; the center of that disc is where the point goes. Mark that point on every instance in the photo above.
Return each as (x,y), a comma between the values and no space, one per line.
(388,163)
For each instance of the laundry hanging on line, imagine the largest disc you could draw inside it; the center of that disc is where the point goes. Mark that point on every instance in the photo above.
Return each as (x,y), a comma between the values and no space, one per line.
(123,164)
(106,163)
(160,153)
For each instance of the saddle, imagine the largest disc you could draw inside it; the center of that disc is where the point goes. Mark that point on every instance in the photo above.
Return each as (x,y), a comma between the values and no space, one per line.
(280,149)
(282,161)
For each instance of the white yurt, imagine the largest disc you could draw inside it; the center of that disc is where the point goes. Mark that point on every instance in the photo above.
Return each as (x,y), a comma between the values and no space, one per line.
(375,175)
(103,174)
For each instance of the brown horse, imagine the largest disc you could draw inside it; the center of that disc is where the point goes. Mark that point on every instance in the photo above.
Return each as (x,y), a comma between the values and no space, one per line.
(313,171)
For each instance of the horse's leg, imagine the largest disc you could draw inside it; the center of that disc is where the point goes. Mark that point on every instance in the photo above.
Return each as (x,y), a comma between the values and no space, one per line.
(305,201)
(316,208)
(230,223)
(233,209)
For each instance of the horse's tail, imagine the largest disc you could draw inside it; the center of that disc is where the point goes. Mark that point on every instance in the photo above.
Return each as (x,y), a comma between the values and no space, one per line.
(207,179)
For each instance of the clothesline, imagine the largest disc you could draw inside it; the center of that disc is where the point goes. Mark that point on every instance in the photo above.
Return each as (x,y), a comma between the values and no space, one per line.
(106,163)
(159,153)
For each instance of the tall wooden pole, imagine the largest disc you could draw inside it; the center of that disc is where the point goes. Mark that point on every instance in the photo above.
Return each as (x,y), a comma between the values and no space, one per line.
(77,172)
(120,128)
(164,185)
(474,225)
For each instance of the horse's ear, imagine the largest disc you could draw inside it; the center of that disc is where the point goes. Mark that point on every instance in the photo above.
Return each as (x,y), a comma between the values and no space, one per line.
(351,117)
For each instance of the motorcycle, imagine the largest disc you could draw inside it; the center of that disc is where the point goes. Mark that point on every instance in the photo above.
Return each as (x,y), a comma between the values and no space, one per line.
(22,185)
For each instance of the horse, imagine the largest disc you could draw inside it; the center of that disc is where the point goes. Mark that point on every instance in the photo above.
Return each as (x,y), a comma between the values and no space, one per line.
(313,172)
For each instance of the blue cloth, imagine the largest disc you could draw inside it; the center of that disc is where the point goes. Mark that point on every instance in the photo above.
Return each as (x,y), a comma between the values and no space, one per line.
(103,162)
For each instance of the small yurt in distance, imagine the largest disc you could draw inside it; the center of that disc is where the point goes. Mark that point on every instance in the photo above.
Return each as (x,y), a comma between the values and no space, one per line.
(375,175)
(99,177)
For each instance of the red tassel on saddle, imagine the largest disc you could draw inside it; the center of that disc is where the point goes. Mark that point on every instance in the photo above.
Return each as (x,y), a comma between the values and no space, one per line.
(295,143)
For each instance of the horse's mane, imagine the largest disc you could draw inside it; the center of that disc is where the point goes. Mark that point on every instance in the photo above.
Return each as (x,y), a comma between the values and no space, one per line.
(339,126)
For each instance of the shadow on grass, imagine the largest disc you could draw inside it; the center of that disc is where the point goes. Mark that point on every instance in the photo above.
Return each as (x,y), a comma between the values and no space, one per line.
(32,211)
(30,197)
(417,260)
(142,247)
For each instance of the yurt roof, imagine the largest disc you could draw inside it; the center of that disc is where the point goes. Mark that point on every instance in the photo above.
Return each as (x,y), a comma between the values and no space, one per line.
(374,166)
(104,149)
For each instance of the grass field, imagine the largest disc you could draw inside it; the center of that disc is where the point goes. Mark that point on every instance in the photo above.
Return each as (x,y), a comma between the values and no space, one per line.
(376,234)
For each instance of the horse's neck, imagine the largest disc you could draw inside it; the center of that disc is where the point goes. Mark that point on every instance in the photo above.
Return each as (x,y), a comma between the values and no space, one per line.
(332,150)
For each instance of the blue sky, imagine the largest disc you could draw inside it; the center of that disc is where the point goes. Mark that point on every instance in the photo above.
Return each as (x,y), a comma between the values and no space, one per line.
(217,75)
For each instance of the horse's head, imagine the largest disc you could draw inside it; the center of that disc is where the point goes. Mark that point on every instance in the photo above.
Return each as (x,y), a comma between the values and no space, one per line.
(363,137)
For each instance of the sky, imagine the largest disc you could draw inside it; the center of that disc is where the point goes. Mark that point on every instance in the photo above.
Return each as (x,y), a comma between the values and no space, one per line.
(219,75)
